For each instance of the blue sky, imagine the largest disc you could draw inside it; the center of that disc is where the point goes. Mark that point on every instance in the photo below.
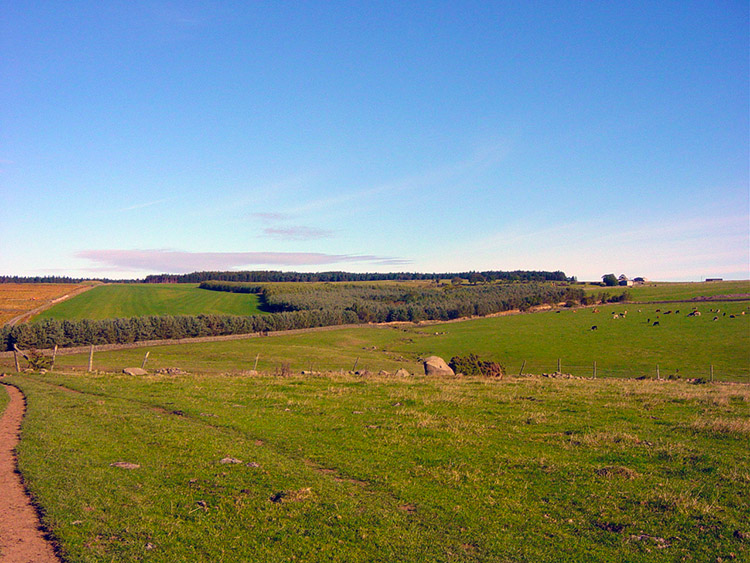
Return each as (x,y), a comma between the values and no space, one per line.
(590,137)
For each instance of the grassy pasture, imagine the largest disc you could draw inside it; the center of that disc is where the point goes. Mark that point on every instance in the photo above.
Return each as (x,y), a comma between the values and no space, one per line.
(623,347)
(341,468)
(19,298)
(137,300)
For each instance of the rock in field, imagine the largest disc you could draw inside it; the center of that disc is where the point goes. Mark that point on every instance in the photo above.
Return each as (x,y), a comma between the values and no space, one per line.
(435,365)
(401,372)
(125,465)
(135,371)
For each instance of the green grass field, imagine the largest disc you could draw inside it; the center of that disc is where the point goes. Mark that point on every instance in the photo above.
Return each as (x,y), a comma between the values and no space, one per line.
(349,469)
(137,300)
(623,347)
(340,467)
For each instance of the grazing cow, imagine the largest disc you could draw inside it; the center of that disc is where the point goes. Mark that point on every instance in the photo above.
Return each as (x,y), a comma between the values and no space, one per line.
(656,323)
(716,318)
(677,312)
(658,310)
(615,316)
(594,327)
(648,321)
(731,316)
(595,311)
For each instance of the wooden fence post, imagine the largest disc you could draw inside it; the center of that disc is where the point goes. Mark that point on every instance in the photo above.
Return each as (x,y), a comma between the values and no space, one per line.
(594,369)
(355,365)
(15,357)
(523,365)
(255,366)
(54,356)
(712,373)
(91,358)
(658,376)
(143,365)
(559,365)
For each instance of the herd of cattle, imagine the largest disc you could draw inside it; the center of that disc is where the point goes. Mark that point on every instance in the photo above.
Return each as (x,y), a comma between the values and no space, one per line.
(693,313)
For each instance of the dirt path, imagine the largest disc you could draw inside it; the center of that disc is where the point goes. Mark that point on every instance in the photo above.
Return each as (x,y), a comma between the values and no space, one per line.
(21,540)
(25,316)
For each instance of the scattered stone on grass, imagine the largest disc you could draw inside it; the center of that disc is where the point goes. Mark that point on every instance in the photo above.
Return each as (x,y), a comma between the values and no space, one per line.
(408,508)
(171,371)
(125,465)
(401,372)
(384,373)
(253,464)
(135,371)
(435,365)
(292,496)
(230,460)
(208,414)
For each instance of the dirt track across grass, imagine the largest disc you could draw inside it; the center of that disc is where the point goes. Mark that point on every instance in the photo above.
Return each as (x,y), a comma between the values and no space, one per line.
(21,539)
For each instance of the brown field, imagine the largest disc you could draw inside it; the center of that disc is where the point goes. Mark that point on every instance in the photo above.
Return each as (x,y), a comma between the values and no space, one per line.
(19,298)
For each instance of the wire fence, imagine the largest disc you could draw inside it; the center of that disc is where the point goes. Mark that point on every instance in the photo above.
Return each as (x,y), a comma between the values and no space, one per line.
(718,372)
(709,372)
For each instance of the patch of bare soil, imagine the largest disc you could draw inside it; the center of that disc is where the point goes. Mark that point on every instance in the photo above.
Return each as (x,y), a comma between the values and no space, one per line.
(21,538)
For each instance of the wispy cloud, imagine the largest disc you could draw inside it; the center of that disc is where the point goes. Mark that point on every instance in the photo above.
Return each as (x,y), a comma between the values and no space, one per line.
(481,159)
(176,261)
(269,216)
(145,204)
(297,233)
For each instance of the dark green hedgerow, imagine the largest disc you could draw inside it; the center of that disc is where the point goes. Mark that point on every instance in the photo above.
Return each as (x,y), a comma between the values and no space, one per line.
(67,333)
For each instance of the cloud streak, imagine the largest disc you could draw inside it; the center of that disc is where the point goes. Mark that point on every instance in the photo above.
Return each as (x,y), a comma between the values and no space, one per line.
(297,233)
(147,204)
(176,261)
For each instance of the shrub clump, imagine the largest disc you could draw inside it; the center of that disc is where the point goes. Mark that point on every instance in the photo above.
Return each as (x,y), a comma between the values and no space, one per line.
(474,365)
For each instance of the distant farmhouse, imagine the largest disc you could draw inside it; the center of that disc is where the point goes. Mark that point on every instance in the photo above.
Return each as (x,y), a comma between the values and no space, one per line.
(714,279)
(623,280)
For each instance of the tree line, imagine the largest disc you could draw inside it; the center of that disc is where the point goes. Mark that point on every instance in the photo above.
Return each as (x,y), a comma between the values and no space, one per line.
(400,302)
(266,276)
(68,333)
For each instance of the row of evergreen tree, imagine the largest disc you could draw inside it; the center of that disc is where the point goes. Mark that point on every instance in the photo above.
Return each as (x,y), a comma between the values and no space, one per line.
(401,302)
(266,276)
(278,276)
(66,333)
(57,279)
